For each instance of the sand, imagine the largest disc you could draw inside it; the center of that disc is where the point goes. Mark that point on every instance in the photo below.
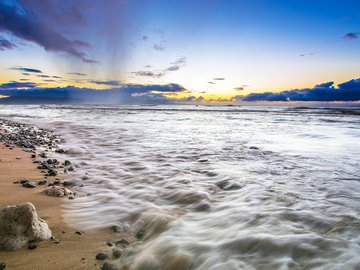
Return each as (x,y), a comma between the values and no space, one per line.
(74,251)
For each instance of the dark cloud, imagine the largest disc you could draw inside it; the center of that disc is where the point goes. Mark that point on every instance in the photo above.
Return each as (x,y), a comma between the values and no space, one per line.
(49,80)
(145,38)
(56,77)
(6,45)
(148,66)
(43,76)
(350,36)
(173,68)
(158,47)
(125,94)
(110,83)
(31,21)
(77,73)
(347,91)
(148,74)
(240,88)
(17,85)
(211,83)
(26,70)
(180,62)
(218,79)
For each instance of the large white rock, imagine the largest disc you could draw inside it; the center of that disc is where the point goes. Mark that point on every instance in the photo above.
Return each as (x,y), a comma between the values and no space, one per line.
(20,224)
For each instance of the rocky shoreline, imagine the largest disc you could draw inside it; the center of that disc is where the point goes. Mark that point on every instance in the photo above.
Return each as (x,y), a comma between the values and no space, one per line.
(41,145)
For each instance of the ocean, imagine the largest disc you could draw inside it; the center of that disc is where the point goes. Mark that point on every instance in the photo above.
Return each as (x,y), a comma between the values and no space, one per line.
(220,187)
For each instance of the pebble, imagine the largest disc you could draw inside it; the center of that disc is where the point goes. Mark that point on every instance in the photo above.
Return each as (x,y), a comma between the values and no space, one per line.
(109,266)
(102,256)
(116,253)
(78,232)
(2,265)
(109,244)
(29,185)
(42,182)
(32,246)
(122,243)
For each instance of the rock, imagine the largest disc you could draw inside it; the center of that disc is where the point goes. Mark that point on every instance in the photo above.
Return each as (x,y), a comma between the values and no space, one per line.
(78,232)
(20,224)
(2,265)
(33,156)
(109,244)
(42,182)
(67,163)
(52,172)
(109,266)
(116,253)
(32,246)
(23,181)
(122,243)
(29,185)
(57,191)
(43,155)
(102,256)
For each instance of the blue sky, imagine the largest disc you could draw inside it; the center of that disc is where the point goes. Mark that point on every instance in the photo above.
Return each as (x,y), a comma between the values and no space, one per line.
(215,49)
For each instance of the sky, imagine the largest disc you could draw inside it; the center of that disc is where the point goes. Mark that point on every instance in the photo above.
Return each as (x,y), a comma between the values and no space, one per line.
(182,50)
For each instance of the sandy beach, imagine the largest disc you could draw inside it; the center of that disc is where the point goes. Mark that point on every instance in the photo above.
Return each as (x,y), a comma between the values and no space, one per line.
(77,248)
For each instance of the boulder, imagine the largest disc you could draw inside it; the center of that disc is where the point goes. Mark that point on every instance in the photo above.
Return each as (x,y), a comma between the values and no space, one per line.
(20,224)
(57,191)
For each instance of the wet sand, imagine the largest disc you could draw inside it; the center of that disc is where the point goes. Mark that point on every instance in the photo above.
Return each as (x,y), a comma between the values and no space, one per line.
(74,251)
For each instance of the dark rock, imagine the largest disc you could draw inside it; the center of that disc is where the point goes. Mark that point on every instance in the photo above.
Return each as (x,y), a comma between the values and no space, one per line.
(70,169)
(139,234)
(2,265)
(29,185)
(71,198)
(57,182)
(42,182)
(109,244)
(116,253)
(122,243)
(101,256)
(254,148)
(43,155)
(78,232)
(33,156)
(23,181)
(67,163)
(109,266)
(52,172)
(49,161)
(60,151)
(32,246)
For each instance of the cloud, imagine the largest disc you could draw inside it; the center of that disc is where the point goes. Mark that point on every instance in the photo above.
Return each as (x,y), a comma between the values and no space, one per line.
(57,77)
(17,85)
(347,91)
(124,94)
(158,47)
(43,76)
(173,68)
(351,36)
(6,45)
(145,38)
(77,73)
(240,88)
(181,61)
(110,83)
(26,70)
(149,74)
(26,20)
(211,83)
(218,79)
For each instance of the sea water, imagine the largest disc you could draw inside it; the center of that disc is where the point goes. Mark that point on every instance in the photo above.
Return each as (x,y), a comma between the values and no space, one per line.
(215,187)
